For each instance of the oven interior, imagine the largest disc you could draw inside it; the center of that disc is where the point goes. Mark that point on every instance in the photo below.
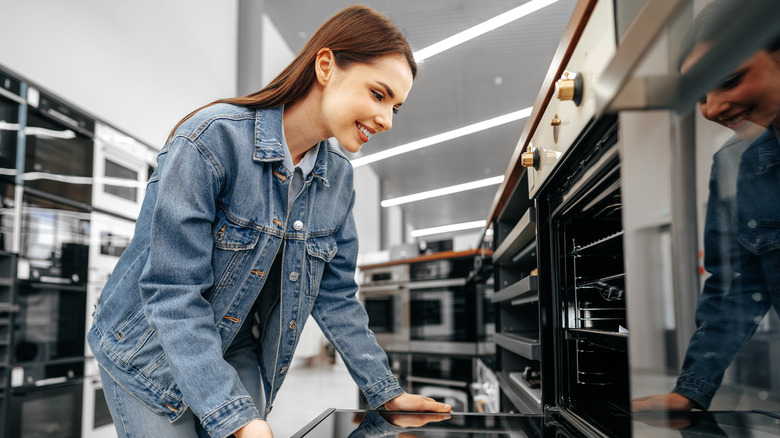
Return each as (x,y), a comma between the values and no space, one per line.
(588,275)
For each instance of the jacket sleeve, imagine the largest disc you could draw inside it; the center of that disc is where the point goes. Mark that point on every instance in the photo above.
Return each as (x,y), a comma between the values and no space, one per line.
(177,272)
(344,321)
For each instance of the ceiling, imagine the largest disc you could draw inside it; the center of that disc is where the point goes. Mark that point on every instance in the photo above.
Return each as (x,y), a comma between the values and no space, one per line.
(494,74)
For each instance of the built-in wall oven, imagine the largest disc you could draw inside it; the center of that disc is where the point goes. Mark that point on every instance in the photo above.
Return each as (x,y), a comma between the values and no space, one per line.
(59,148)
(121,169)
(47,411)
(10,99)
(385,295)
(96,419)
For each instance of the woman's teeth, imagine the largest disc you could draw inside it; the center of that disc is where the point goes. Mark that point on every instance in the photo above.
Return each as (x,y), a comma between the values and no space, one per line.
(735,120)
(365,131)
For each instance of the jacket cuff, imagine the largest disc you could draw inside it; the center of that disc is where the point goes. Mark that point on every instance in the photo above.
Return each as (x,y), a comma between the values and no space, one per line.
(698,391)
(383,391)
(222,422)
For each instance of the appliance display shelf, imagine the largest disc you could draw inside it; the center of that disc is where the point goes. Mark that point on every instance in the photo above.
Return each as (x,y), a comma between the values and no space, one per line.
(522,233)
(525,399)
(528,287)
(525,344)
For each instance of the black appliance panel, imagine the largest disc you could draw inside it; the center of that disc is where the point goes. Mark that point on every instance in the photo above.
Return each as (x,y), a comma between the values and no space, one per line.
(54,242)
(51,411)
(49,332)
(59,151)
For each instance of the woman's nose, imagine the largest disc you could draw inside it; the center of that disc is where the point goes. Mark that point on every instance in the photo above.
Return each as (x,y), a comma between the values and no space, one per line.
(715,106)
(385,119)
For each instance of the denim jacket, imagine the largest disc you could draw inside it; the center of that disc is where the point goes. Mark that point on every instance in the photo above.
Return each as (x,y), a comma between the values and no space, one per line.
(214,219)
(742,254)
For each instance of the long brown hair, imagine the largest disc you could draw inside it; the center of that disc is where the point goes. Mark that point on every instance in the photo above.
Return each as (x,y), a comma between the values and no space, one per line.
(356,34)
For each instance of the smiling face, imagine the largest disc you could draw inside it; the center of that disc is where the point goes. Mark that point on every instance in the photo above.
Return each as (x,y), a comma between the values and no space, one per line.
(747,101)
(360,100)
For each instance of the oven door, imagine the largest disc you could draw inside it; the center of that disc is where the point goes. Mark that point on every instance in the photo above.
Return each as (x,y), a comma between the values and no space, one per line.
(48,411)
(54,242)
(59,149)
(444,317)
(48,334)
(109,237)
(120,172)
(388,315)
(96,418)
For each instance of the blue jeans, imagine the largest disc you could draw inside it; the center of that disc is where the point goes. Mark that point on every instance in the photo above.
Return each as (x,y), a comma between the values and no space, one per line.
(133,419)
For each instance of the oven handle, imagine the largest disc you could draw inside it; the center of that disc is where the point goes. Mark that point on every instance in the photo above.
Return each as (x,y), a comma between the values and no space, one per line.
(437,284)
(381,288)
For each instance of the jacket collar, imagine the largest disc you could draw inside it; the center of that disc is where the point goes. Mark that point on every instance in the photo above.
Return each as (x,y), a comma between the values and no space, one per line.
(268,141)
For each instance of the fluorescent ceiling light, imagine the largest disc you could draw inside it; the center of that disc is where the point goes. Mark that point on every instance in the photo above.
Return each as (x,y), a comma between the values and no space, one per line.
(447,228)
(482,28)
(438,138)
(443,191)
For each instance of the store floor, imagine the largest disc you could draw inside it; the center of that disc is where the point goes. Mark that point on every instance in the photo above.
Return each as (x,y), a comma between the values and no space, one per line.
(310,388)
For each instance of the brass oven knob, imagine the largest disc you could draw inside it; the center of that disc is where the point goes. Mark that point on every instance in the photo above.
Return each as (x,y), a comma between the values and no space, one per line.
(530,158)
(555,122)
(570,88)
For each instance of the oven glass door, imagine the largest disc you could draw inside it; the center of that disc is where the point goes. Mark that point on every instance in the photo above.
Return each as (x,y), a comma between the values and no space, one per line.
(49,331)
(54,242)
(109,237)
(58,158)
(96,419)
(441,313)
(51,412)
(388,315)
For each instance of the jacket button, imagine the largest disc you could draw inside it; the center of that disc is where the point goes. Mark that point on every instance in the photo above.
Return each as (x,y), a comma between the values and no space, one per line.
(298,225)
(283,370)
(293,276)
(292,325)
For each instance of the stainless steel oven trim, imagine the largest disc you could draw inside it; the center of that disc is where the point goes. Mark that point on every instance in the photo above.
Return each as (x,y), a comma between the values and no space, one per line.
(462,348)
(444,382)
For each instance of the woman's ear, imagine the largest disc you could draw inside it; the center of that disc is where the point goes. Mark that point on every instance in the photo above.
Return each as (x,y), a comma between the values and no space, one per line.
(324,64)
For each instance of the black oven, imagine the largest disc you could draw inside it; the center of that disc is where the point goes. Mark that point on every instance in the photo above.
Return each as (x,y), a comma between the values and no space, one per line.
(10,100)
(55,236)
(59,149)
(48,333)
(51,411)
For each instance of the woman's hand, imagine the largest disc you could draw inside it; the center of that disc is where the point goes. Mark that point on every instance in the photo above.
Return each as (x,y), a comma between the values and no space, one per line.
(254,429)
(416,403)
(662,402)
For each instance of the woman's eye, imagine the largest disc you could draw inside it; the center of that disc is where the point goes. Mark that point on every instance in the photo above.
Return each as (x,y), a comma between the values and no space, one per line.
(731,82)
(395,110)
(379,96)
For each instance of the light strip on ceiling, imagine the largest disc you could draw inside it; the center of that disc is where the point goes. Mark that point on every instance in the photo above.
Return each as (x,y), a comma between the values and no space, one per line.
(482,28)
(443,191)
(448,228)
(445,136)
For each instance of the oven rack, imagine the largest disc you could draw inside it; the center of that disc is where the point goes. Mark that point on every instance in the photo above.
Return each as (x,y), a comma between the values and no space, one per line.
(521,235)
(609,245)
(600,338)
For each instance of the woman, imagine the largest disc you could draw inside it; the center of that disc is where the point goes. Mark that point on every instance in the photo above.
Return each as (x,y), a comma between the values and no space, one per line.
(245,230)
(741,243)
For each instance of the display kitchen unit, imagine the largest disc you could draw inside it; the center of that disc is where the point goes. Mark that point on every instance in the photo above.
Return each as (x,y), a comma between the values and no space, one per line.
(597,242)
(71,191)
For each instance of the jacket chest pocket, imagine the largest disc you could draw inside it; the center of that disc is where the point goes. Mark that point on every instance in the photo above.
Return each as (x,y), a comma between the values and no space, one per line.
(232,246)
(759,236)
(319,250)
